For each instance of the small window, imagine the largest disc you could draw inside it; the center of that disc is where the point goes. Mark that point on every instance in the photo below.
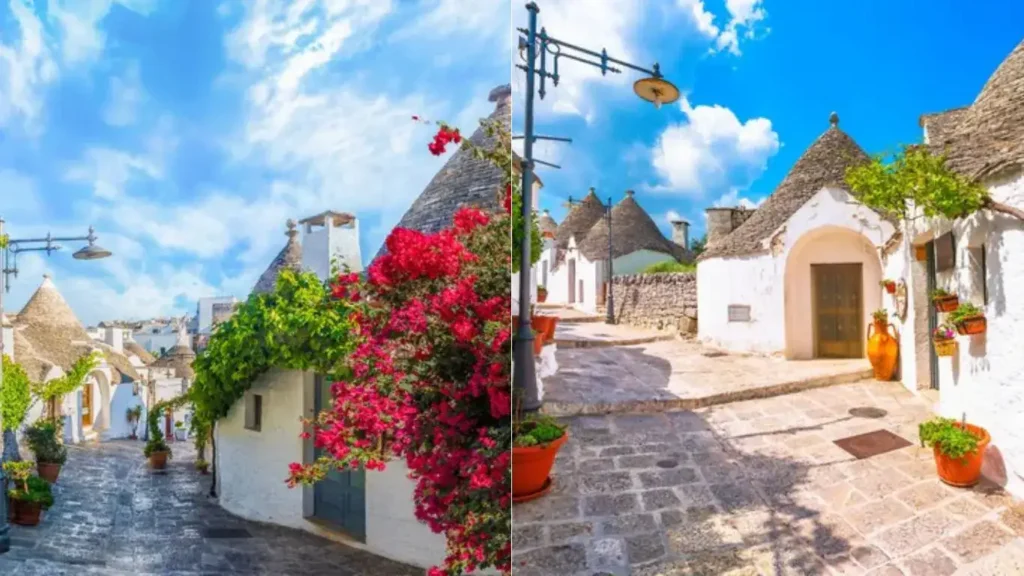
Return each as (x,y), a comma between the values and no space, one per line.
(254,412)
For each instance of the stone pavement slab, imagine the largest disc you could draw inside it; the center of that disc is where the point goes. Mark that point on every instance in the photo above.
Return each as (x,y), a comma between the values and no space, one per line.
(676,374)
(598,335)
(115,517)
(758,488)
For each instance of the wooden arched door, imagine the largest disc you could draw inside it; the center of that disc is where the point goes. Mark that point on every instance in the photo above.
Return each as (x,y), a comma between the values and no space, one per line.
(572,281)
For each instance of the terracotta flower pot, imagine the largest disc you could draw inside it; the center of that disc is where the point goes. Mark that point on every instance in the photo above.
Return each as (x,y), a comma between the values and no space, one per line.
(545,325)
(27,513)
(542,296)
(966,471)
(531,468)
(971,326)
(158,460)
(945,347)
(48,471)
(946,303)
(883,350)
(890,287)
(538,343)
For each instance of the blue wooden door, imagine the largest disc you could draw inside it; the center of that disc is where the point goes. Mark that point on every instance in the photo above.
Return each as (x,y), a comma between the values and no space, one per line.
(340,498)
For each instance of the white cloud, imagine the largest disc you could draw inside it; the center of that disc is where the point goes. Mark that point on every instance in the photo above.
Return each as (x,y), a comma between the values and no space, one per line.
(743,17)
(451,17)
(82,40)
(701,18)
(26,68)
(126,96)
(713,149)
(733,199)
(673,216)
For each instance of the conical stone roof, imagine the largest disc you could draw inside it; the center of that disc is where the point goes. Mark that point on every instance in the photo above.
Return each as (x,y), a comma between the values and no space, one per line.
(581,218)
(822,165)
(989,138)
(547,224)
(289,257)
(464,180)
(53,335)
(632,230)
(133,347)
(179,358)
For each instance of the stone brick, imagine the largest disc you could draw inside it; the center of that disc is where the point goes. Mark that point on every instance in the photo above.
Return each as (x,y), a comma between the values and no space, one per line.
(609,504)
(657,499)
(568,531)
(932,562)
(605,483)
(643,548)
(661,301)
(628,524)
(977,541)
(528,536)
(564,559)
(672,477)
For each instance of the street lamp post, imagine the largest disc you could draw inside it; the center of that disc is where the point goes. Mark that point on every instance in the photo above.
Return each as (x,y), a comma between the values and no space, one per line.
(654,89)
(9,266)
(610,304)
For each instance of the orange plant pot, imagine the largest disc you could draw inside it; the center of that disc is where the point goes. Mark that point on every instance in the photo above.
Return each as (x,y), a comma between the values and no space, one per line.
(531,468)
(946,303)
(883,350)
(890,287)
(48,471)
(27,513)
(545,325)
(538,343)
(158,460)
(971,326)
(966,471)
(542,296)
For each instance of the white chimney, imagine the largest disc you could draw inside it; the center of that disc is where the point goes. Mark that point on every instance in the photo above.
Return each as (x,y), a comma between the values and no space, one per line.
(330,244)
(113,336)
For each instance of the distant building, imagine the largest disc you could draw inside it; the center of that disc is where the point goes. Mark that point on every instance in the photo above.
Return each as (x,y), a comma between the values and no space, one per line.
(205,312)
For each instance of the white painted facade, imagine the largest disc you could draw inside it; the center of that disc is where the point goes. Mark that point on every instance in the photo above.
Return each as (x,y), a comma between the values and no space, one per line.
(204,314)
(829,228)
(329,247)
(251,468)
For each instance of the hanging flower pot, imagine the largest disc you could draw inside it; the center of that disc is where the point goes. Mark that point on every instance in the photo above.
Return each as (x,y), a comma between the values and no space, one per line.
(542,294)
(535,444)
(959,449)
(968,319)
(944,301)
(883,347)
(944,339)
(889,285)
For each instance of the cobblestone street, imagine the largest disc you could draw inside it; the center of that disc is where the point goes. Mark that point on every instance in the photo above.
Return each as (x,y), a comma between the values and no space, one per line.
(113,516)
(759,488)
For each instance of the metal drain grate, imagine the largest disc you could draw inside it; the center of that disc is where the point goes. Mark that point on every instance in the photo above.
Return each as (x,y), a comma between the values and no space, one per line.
(225,533)
(867,412)
(872,444)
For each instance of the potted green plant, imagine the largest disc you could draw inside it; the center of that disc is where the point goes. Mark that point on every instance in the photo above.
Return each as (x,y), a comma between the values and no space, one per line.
(968,319)
(535,443)
(133,415)
(203,466)
(158,452)
(29,494)
(944,339)
(944,301)
(44,440)
(959,449)
(889,285)
(542,293)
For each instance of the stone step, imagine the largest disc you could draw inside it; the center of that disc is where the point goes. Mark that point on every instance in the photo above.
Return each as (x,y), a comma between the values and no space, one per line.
(580,319)
(563,409)
(582,342)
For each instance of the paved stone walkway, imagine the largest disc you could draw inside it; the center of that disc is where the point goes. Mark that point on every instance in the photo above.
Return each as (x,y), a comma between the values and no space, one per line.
(599,335)
(676,374)
(114,517)
(758,487)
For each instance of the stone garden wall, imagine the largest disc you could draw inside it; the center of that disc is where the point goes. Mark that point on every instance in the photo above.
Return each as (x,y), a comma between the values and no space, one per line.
(662,301)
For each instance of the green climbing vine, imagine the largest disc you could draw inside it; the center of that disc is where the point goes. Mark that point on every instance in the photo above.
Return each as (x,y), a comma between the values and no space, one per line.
(15,395)
(156,442)
(915,178)
(298,326)
(51,392)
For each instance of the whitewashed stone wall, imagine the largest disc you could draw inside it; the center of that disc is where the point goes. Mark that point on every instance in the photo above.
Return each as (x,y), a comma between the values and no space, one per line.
(661,301)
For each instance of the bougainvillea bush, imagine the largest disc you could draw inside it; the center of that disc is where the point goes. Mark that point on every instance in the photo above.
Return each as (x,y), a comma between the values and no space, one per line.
(429,381)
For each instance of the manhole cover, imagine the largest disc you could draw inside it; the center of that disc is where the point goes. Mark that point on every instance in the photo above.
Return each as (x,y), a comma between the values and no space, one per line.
(667,463)
(867,412)
(872,444)
(225,533)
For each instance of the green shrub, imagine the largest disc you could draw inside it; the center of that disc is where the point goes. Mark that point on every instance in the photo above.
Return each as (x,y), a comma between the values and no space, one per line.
(536,431)
(38,492)
(669,267)
(952,440)
(156,445)
(44,441)
(964,311)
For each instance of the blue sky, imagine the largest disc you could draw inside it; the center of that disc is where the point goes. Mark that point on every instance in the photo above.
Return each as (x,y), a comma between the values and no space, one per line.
(760,78)
(188,131)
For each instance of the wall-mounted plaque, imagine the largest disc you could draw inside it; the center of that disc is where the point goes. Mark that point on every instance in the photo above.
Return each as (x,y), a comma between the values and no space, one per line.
(739,313)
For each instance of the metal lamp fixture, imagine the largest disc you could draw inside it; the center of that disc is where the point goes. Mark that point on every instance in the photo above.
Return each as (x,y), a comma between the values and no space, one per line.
(537,49)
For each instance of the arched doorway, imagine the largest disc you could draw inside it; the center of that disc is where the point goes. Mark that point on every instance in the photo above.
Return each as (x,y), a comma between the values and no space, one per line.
(96,401)
(832,277)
